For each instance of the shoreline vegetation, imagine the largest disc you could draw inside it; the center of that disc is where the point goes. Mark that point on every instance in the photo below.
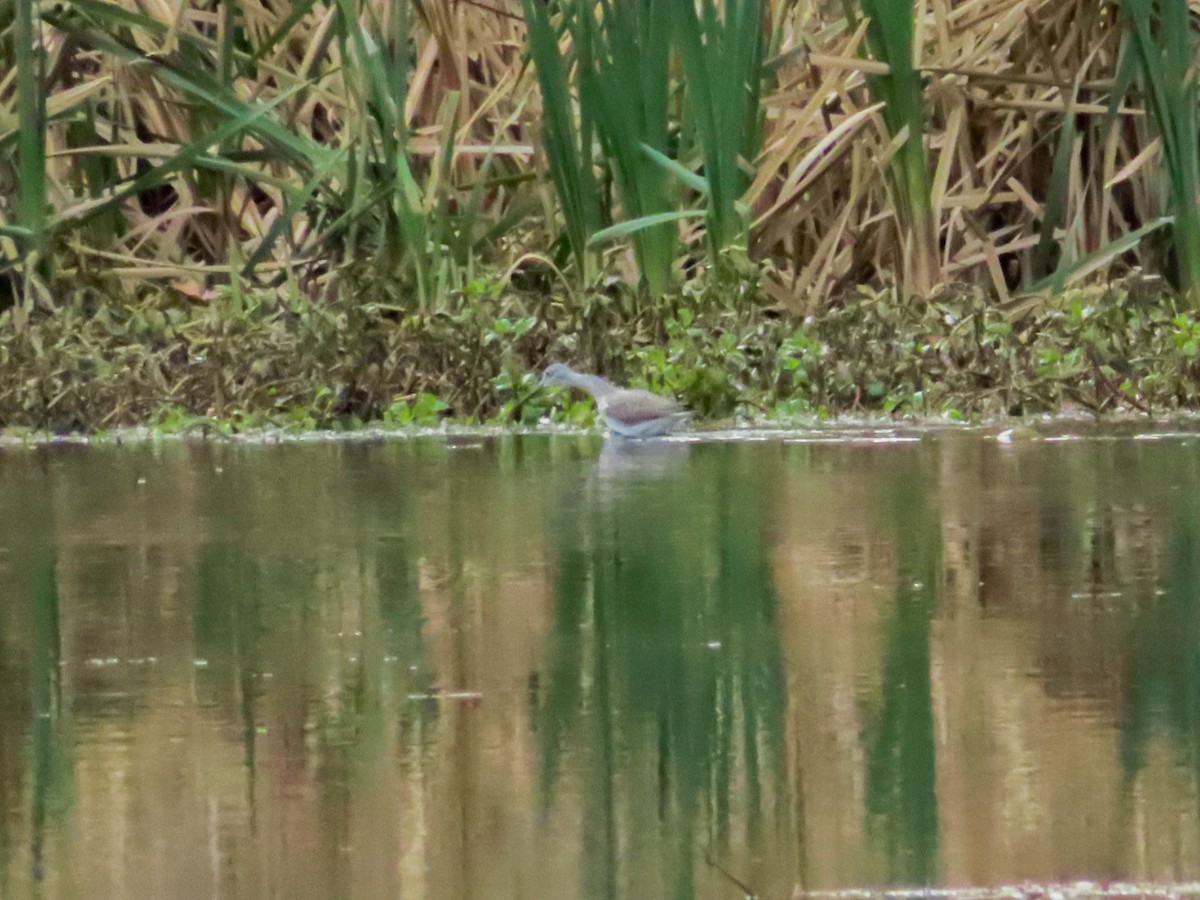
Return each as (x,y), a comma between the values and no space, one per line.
(333,214)
(288,362)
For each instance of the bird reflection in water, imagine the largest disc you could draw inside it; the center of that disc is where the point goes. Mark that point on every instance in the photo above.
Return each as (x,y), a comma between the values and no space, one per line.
(644,459)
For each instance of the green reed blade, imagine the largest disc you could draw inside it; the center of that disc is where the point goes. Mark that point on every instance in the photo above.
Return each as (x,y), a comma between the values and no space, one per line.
(567,141)
(891,34)
(31,140)
(624,81)
(721,46)
(1162,48)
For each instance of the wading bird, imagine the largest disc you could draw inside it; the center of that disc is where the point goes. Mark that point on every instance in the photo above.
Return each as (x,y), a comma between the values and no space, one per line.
(629,412)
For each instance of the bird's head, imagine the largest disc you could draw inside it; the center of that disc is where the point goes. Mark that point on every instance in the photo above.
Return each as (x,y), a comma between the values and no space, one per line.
(558,374)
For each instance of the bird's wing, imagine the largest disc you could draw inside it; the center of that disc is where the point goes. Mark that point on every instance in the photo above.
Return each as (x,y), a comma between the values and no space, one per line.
(633,406)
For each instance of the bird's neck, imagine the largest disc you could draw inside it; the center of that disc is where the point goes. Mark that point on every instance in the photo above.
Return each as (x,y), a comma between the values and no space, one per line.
(593,384)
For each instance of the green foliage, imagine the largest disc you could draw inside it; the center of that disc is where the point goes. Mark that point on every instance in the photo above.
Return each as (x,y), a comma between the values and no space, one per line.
(359,189)
(624,79)
(1102,349)
(567,139)
(620,53)
(799,367)
(891,36)
(251,359)
(521,398)
(31,140)
(721,44)
(1187,335)
(174,419)
(504,331)
(422,411)
(308,142)
(702,363)
(422,233)
(1162,51)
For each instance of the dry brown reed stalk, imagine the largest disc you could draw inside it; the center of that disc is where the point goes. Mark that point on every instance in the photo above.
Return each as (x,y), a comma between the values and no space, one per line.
(1001,78)
(1007,83)
(114,115)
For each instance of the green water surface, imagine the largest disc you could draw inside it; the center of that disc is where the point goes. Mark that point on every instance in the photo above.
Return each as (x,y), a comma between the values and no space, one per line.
(552,667)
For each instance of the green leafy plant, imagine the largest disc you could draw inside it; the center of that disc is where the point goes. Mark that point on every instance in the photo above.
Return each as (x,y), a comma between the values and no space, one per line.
(799,362)
(423,411)
(699,364)
(523,400)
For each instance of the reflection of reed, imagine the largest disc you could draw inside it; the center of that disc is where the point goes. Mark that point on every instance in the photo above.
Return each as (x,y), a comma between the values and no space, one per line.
(666,615)
(899,738)
(512,668)
(50,744)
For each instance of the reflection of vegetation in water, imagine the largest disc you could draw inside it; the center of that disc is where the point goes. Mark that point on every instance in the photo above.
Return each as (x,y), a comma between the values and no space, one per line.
(666,650)
(36,767)
(228,621)
(37,776)
(338,635)
(901,801)
(642,685)
(50,745)
(1164,669)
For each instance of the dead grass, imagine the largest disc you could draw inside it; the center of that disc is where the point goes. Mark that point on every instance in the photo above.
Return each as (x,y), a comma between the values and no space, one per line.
(1002,78)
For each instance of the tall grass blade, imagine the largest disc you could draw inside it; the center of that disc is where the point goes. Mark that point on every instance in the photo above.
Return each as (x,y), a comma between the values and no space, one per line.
(645,223)
(1163,48)
(891,34)
(403,218)
(721,45)
(1067,275)
(31,140)
(1047,254)
(567,140)
(625,85)
(697,183)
